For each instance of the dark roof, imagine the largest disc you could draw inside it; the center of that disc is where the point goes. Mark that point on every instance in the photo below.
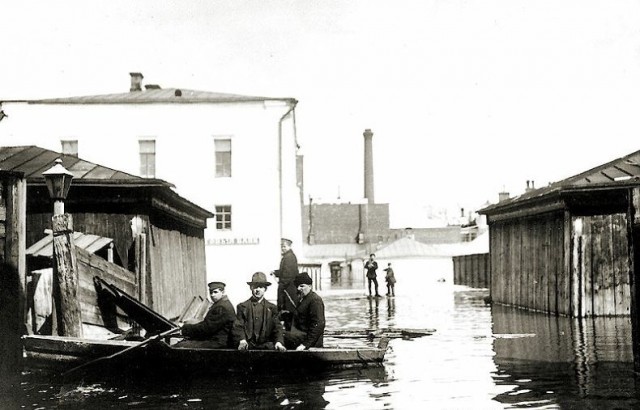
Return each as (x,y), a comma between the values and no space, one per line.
(160,95)
(33,161)
(619,173)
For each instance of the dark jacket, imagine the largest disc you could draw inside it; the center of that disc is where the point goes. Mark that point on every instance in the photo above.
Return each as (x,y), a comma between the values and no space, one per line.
(216,325)
(371,268)
(271,327)
(390,277)
(288,269)
(309,318)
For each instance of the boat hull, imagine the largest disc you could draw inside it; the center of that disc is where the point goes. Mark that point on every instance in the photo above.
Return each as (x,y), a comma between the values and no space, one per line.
(58,354)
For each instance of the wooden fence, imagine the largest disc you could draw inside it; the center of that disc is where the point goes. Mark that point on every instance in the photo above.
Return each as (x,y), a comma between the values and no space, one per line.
(472,270)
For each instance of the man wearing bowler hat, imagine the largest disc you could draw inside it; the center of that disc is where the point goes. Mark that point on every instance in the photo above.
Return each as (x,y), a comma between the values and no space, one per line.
(257,326)
(308,319)
(214,331)
(285,274)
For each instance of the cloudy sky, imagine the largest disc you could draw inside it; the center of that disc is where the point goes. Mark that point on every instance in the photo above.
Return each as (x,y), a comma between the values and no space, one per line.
(465,97)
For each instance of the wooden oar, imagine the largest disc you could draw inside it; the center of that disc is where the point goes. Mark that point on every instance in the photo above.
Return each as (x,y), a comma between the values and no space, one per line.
(392,333)
(128,349)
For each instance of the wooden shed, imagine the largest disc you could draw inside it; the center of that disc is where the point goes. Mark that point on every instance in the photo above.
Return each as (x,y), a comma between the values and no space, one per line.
(157,234)
(569,248)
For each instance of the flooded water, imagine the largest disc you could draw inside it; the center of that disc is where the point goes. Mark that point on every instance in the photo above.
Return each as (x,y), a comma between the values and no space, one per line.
(481,357)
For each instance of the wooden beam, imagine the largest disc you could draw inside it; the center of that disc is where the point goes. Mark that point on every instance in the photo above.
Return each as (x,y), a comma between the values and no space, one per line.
(65,283)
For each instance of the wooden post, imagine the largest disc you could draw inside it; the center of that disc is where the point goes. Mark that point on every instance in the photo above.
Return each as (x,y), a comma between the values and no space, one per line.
(141,266)
(12,277)
(633,237)
(65,278)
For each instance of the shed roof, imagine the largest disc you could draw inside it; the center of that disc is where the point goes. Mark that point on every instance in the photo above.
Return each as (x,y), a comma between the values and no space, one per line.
(33,161)
(621,172)
(160,96)
(88,242)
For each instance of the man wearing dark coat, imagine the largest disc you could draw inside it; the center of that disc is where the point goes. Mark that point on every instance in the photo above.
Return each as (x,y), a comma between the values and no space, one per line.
(307,329)
(257,325)
(286,274)
(214,331)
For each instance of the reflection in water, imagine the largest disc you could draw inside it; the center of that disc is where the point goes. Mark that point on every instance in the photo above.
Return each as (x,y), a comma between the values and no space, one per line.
(480,357)
(573,363)
(374,315)
(391,308)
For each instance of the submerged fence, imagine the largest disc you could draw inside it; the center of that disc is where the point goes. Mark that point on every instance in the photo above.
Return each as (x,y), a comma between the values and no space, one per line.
(314,270)
(472,270)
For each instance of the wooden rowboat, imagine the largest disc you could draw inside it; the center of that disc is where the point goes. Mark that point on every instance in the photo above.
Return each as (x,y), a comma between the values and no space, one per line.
(59,354)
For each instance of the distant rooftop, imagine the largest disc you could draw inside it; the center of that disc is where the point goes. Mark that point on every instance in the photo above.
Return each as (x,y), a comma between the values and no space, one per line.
(155,94)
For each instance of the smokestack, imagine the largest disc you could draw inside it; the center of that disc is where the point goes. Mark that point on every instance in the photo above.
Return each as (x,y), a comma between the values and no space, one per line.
(136,81)
(368,165)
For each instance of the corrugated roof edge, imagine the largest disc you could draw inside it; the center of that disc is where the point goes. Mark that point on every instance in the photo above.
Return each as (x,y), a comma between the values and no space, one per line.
(561,186)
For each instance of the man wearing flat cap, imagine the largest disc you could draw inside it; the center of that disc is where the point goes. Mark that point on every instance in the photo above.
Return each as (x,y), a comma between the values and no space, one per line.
(214,331)
(257,326)
(307,329)
(285,274)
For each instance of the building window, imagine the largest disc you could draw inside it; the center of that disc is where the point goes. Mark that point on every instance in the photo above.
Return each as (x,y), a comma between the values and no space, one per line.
(148,158)
(223,217)
(223,157)
(70,147)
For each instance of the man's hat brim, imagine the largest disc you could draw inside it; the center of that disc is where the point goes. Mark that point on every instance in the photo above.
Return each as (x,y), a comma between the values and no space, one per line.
(259,283)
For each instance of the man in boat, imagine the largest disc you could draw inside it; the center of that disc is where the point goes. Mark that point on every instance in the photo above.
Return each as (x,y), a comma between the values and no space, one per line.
(257,325)
(214,331)
(308,319)
(286,289)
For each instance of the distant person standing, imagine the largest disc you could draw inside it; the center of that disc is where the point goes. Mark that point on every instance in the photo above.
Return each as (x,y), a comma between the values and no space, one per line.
(372,275)
(391,280)
(286,288)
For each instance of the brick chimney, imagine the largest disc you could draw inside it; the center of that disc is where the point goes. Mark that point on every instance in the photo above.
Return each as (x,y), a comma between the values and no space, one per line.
(368,166)
(503,196)
(530,186)
(136,81)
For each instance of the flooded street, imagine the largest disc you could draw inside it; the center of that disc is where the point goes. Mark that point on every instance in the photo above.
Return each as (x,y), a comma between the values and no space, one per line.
(480,357)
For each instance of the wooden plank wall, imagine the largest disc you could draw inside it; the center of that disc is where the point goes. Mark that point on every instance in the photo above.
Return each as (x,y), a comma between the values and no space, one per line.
(527,260)
(177,261)
(471,270)
(529,268)
(90,265)
(605,265)
(110,225)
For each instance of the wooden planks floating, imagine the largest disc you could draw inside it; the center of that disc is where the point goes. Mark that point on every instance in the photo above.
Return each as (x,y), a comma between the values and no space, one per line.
(390,333)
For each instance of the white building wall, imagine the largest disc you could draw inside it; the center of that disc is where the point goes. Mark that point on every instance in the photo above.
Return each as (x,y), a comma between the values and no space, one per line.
(184,133)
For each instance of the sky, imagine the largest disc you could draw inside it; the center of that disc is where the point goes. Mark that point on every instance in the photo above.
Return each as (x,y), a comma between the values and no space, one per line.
(466,98)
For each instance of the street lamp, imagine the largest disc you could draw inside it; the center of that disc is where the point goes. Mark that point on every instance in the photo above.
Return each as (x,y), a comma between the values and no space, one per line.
(58,180)
(65,268)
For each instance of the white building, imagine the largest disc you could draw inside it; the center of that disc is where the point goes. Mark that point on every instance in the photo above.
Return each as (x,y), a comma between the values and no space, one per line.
(233,155)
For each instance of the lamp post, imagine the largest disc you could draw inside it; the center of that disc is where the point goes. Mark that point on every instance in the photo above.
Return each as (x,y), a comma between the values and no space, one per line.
(58,181)
(65,278)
